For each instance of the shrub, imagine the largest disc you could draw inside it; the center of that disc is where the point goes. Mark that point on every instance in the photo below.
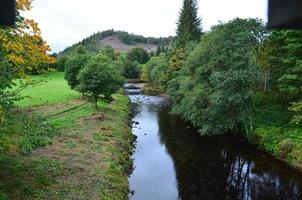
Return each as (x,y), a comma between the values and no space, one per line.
(22,133)
(285,147)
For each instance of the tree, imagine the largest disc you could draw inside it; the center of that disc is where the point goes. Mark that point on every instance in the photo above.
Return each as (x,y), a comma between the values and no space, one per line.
(281,59)
(22,51)
(214,88)
(144,73)
(156,69)
(100,77)
(158,51)
(129,69)
(61,63)
(73,66)
(139,55)
(189,24)
(151,54)
(108,51)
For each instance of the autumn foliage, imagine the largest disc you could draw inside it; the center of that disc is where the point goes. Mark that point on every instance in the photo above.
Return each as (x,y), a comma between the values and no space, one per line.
(22,51)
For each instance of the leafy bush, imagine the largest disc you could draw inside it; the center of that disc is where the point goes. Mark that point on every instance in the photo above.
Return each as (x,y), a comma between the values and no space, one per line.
(285,147)
(22,133)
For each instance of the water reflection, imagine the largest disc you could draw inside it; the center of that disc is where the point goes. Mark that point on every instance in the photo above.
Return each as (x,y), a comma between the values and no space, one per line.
(223,168)
(172,162)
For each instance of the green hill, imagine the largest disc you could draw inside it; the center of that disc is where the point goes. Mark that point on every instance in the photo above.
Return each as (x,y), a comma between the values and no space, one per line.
(121,41)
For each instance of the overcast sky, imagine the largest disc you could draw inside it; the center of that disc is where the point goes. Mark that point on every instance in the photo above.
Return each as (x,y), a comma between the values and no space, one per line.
(65,22)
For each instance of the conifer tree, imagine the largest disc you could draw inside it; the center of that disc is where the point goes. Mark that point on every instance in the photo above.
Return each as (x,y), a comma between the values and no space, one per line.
(158,50)
(188,24)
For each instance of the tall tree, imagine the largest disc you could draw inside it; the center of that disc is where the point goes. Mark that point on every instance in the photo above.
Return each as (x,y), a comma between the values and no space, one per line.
(139,55)
(189,24)
(74,64)
(214,87)
(100,77)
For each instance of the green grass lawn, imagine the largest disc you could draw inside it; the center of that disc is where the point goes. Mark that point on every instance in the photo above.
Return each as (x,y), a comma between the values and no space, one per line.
(54,90)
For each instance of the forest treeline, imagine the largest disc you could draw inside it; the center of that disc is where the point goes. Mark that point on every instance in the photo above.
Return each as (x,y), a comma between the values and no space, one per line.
(239,77)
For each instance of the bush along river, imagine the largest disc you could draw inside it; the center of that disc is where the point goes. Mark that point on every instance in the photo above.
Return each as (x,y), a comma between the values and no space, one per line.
(172,161)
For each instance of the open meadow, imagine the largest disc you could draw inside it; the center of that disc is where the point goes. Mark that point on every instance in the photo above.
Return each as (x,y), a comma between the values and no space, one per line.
(51,89)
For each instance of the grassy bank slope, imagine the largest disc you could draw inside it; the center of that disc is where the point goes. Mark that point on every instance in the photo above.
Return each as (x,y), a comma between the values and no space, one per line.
(90,159)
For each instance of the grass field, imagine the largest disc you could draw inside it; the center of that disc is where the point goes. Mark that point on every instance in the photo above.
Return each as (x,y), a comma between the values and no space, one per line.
(90,158)
(53,89)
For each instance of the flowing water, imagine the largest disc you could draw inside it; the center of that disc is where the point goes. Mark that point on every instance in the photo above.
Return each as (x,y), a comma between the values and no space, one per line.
(172,161)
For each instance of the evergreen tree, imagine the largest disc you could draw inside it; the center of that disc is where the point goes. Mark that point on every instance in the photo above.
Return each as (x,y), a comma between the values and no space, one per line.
(158,50)
(151,54)
(189,24)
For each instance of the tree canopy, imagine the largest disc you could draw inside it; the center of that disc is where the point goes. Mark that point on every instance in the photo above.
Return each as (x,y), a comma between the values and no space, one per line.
(73,66)
(100,77)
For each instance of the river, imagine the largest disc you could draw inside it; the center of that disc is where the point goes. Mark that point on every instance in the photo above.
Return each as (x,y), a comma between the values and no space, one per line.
(172,161)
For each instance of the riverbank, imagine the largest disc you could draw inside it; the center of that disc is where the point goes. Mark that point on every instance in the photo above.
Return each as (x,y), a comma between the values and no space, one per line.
(276,135)
(88,158)
(272,135)
(172,160)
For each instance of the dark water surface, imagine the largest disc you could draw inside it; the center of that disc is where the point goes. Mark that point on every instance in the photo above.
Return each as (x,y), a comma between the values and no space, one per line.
(173,162)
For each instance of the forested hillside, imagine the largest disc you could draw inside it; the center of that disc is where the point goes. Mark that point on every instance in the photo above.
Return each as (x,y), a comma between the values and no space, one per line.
(121,41)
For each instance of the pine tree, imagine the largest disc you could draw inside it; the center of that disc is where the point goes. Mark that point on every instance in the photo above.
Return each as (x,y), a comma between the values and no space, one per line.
(158,50)
(189,24)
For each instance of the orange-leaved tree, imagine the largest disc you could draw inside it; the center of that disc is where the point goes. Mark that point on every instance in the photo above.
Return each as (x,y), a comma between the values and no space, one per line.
(22,51)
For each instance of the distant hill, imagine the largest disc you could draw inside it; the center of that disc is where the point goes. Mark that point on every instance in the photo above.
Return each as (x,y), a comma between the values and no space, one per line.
(121,41)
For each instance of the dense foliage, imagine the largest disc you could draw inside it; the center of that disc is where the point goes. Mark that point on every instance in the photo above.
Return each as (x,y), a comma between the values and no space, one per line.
(74,64)
(213,90)
(21,133)
(139,55)
(239,78)
(100,77)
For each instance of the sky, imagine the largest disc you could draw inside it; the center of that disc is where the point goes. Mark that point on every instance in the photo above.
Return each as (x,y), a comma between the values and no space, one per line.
(65,22)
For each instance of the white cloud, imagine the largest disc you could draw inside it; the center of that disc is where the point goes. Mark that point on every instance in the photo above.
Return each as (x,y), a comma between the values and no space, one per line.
(64,22)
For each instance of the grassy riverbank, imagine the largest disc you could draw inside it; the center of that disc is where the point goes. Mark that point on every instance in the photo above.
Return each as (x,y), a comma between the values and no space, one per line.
(89,157)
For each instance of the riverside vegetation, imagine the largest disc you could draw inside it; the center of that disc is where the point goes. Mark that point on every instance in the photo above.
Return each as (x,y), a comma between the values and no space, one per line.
(237,78)
(87,154)
(70,138)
